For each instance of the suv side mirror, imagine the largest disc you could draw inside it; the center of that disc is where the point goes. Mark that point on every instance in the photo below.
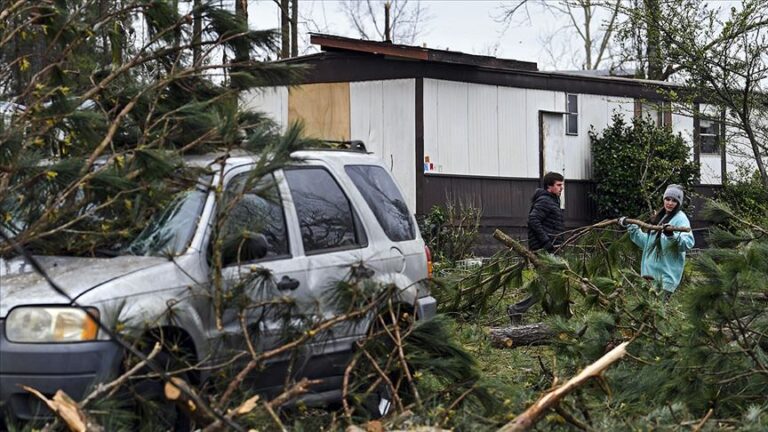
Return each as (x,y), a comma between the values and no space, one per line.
(254,246)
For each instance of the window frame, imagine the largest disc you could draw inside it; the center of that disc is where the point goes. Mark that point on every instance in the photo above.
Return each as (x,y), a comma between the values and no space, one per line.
(571,114)
(361,235)
(715,123)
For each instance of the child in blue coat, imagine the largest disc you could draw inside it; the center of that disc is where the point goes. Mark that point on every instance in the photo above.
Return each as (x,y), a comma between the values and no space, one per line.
(664,265)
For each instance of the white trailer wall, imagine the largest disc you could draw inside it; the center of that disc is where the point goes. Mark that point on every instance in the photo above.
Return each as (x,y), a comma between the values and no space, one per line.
(477,129)
(383,115)
(272,101)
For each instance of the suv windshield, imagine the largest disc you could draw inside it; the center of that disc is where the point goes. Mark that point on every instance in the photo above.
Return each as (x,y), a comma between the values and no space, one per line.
(171,231)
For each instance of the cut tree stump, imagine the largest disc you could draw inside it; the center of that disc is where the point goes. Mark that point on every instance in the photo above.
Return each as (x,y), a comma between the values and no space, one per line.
(523,335)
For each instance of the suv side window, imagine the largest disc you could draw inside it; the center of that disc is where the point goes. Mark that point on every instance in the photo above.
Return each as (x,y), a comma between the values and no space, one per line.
(253,207)
(326,217)
(384,199)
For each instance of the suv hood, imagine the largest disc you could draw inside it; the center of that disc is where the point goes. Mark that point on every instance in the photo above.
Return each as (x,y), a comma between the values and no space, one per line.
(21,285)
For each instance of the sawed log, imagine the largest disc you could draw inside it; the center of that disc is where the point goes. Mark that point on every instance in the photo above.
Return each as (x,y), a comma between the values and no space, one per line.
(522,335)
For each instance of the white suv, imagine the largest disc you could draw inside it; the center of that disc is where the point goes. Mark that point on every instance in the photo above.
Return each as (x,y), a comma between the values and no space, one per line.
(330,211)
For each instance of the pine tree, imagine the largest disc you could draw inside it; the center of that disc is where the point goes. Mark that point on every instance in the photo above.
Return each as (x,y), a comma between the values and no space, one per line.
(108,104)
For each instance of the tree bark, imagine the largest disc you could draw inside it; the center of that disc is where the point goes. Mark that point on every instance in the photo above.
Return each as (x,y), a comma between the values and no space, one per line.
(294,28)
(285,29)
(653,39)
(524,335)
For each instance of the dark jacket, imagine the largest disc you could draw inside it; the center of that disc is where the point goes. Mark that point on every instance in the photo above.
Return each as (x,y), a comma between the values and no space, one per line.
(545,221)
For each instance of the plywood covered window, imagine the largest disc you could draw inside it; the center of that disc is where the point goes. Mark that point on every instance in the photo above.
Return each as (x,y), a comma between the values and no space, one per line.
(572,118)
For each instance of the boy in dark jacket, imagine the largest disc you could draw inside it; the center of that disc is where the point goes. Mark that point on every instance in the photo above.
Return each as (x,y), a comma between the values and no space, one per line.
(545,224)
(545,219)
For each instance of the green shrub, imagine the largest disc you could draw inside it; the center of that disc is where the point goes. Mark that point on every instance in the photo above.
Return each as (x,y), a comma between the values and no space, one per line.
(745,194)
(451,232)
(633,164)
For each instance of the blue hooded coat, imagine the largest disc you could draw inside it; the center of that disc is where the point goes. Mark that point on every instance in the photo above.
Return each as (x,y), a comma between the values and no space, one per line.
(665,266)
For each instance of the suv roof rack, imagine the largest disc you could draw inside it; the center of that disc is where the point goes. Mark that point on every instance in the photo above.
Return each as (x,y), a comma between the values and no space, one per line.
(352,145)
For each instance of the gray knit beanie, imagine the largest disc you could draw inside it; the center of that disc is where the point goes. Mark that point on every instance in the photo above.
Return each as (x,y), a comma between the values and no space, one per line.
(675,192)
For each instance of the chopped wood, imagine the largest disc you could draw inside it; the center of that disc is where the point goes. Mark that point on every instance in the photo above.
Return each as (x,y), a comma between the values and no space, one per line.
(522,335)
(177,390)
(68,411)
(527,419)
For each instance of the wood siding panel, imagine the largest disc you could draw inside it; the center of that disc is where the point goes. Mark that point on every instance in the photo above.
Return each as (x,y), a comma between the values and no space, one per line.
(452,132)
(324,109)
(504,202)
(399,123)
(431,142)
(682,124)
(535,101)
(382,115)
(366,116)
(710,169)
(619,105)
(593,112)
(483,130)
(513,134)
(272,101)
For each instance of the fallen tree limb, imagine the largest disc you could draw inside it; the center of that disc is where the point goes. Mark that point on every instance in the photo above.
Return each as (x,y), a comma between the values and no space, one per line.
(523,335)
(68,411)
(110,387)
(582,285)
(527,419)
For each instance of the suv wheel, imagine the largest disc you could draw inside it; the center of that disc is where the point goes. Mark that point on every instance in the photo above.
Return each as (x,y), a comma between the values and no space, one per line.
(147,401)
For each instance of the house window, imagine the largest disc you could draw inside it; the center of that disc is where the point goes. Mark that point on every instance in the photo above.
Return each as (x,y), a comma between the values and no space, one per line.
(572,116)
(709,134)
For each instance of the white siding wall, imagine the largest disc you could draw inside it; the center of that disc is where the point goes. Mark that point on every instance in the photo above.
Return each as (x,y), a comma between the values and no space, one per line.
(270,100)
(483,130)
(740,158)
(535,101)
(476,129)
(382,114)
(710,169)
(513,134)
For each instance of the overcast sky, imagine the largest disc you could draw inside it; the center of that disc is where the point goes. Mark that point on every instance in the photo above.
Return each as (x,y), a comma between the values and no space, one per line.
(458,25)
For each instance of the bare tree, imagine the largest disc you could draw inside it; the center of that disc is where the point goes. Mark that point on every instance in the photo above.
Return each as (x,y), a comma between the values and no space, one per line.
(592,22)
(408,19)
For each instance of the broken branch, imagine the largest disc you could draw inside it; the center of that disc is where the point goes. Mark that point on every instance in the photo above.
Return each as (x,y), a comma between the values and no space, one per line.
(527,419)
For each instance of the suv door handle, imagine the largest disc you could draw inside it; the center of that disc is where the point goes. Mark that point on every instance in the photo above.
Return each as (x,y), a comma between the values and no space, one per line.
(287,283)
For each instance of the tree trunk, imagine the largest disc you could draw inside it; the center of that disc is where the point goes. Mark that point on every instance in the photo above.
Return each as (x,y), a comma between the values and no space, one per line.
(241,10)
(285,29)
(197,28)
(524,335)
(653,42)
(294,28)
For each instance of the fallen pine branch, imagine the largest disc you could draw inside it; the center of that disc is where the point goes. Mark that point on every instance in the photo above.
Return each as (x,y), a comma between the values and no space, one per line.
(110,387)
(582,285)
(523,335)
(527,419)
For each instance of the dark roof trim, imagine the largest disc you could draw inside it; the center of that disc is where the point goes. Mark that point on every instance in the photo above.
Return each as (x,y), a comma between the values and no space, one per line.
(351,66)
(338,43)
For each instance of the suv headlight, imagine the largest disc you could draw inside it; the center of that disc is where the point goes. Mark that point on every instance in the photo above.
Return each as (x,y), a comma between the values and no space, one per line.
(50,324)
